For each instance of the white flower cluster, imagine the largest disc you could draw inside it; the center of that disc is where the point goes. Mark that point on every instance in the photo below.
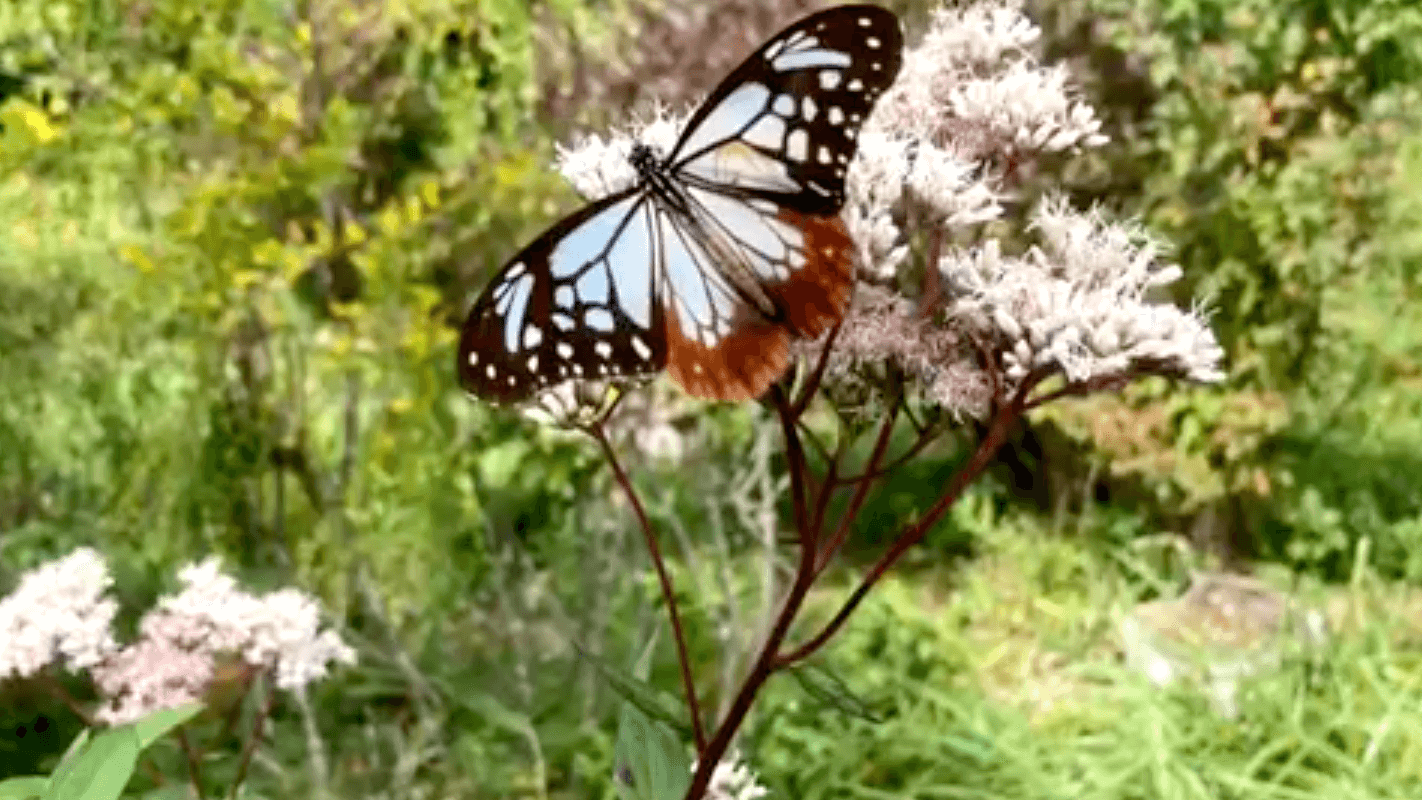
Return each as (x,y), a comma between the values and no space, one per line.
(938,156)
(172,661)
(58,612)
(1078,303)
(732,780)
(598,167)
(895,179)
(973,71)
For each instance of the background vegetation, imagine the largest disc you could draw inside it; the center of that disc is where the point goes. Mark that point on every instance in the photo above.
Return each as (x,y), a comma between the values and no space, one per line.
(237,237)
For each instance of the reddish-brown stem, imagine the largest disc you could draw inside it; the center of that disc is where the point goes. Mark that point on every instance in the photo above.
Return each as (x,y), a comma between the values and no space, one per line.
(981,458)
(765,662)
(827,487)
(812,383)
(925,438)
(250,748)
(1089,386)
(668,593)
(861,491)
(932,281)
(795,461)
(194,762)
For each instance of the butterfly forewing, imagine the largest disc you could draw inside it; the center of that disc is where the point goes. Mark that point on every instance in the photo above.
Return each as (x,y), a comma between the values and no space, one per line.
(783,125)
(578,303)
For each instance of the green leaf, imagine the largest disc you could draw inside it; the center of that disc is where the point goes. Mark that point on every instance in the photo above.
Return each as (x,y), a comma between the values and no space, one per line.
(652,701)
(68,761)
(102,771)
(23,788)
(650,761)
(828,688)
(493,711)
(152,727)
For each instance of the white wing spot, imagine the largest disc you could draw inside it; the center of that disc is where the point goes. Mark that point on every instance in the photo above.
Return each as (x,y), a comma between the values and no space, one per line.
(876,66)
(599,319)
(824,155)
(850,133)
(865,22)
(836,115)
(762,205)
(532,336)
(797,145)
(829,78)
(562,321)
(766,132)
(514,271)
(784,105)
(577,370)
(473,358)
(855,85)
(643,351)
(604,349)
(490,372)
(565,350)
(512,380)
(873,42)
(809,109)
(697,369)
(533,363)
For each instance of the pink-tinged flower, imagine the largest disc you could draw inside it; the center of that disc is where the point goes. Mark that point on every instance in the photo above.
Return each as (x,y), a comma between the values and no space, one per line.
(150,675)
(58,613)
(180,640)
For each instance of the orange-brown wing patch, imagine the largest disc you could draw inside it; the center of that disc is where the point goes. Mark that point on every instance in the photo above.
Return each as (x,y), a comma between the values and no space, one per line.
(754,354)
(817,294)
(741,366)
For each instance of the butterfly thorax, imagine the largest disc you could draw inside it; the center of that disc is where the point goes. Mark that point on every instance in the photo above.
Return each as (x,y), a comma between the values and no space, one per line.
(652,175)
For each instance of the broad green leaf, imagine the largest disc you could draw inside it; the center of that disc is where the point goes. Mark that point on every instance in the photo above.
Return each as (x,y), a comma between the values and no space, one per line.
(152,727)
(650,761)
(70,759)
(102,771)
(652,701)
(23,788)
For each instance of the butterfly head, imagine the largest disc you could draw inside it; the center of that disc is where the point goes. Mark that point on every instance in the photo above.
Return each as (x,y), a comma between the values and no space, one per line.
(645,159)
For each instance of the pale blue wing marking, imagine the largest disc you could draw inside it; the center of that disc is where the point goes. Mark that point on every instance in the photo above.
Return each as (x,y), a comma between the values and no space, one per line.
(589,241)
(592,287)
(629,260)
(727,120)
(701,297)
(791,60)
(762,242)
(735,163)
(513,307)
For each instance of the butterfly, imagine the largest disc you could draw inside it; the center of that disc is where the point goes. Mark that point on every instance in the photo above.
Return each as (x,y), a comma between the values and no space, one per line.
(721,253)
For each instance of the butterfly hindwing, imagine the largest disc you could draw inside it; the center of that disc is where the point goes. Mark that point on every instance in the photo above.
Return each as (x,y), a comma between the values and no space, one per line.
(783,125)
(776,278)
(578,303)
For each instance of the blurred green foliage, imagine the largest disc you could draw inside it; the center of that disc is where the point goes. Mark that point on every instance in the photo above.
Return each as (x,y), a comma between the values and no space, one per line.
(235,238)
(1274,146)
